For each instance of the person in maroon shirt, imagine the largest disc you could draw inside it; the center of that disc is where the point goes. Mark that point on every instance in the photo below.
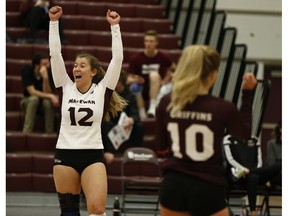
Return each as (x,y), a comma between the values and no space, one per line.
(148,69)
(192,123)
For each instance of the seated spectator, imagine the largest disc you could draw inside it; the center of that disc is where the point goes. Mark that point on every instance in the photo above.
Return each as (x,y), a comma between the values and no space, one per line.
(133,120)
(272,170)
(245,166)
(36,17)
(38,93)
(148,68)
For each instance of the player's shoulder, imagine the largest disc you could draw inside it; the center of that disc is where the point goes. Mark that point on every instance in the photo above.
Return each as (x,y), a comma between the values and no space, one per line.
(220,100)
(165,100)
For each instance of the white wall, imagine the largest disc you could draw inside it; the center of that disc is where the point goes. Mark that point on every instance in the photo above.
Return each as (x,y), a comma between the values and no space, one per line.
(259,26)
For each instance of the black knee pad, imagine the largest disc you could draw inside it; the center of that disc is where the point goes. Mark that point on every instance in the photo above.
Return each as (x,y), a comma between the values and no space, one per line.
(69,204)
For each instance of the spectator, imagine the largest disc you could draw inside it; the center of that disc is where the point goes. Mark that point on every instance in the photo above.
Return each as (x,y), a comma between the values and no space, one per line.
(274,146)
(247,169)
(36,17)
(131,110)
(38,93)
(149,68)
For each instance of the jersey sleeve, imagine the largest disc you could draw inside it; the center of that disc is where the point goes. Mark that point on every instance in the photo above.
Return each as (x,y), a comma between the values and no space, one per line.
(113,72)
(162,139)
(228,154)
(239,124)
(59,74)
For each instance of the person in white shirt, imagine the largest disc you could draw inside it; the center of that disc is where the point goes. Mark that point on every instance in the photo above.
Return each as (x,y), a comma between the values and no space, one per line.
(86,102)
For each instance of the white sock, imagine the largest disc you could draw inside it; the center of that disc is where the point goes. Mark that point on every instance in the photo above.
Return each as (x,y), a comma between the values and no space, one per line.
(104,214)
(142,113)
(152,107)
(153,104)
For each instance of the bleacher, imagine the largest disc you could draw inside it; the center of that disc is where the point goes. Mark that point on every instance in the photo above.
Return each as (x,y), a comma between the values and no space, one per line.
(30,160)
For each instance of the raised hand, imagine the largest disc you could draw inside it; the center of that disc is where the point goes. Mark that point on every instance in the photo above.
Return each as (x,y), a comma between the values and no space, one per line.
(249,81)
(112,17)
(55,13)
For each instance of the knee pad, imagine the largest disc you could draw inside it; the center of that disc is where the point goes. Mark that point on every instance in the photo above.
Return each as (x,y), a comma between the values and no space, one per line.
(69,204)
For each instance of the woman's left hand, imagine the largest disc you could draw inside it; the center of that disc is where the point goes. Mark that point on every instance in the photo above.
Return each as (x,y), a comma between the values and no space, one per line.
(112,17)
(55,13)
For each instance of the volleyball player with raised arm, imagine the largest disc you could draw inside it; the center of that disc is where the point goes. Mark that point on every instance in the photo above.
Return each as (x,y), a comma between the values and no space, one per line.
(192,124)
(86,103)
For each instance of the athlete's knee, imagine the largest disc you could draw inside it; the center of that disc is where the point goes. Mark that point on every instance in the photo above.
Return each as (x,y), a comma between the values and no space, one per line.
(97,210)
(69,204)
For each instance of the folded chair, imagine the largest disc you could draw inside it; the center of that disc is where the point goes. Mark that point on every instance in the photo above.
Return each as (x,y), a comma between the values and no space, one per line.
(141,179)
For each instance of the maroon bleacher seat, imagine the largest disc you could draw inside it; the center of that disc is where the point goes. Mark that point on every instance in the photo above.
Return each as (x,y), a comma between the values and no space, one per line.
(43,163)
(13,19)
(69,52)
(76,37)
(18,162)
(17,32)
(96,23)
(125,10)
(100,38)
(146,2)
(168,41)
(150,11)
(162,26)
(13,101)
(14,121)
(14,84)
(41,48)
(134,40)
(69,7)
(72,22)
(14,66)
(13,5)
(92,8)
(104,54)
(41,142)
(18,182)
(43,182)
(16,141)
(19,51)
(130,51)
(131,24)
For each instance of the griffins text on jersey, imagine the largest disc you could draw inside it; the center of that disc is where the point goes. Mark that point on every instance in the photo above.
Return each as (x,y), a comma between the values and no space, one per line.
(192,115)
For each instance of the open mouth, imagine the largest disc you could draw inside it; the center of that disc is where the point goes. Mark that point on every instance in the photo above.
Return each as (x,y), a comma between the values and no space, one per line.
(78,77)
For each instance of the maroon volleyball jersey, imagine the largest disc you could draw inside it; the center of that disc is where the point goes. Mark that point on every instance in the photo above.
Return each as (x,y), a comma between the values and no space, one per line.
(195,134)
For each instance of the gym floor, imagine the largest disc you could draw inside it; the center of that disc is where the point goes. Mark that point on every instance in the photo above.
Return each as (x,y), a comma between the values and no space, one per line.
(46,204)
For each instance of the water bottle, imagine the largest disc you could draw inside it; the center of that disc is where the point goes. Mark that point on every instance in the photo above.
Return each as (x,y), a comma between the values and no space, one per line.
(116,207)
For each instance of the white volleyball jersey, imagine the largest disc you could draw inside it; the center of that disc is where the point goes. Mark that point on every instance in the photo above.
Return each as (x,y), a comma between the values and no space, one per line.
(82,113)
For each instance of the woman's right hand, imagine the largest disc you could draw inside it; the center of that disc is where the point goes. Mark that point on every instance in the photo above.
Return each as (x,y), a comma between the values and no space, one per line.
(55,100)
(249,81)
(55,13)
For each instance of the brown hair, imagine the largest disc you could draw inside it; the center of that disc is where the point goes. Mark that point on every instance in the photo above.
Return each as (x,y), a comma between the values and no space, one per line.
(151,32)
